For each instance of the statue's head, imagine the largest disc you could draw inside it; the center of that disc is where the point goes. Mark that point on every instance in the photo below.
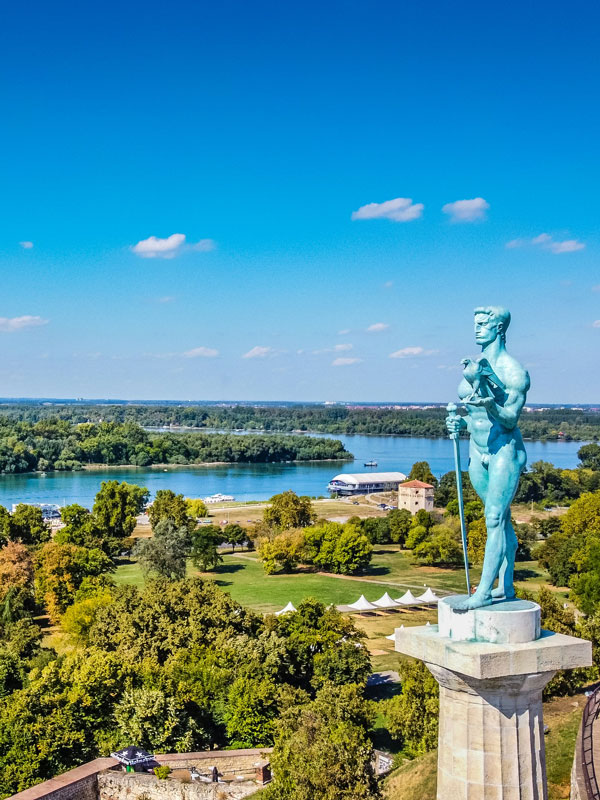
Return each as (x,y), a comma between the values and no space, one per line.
(491,322)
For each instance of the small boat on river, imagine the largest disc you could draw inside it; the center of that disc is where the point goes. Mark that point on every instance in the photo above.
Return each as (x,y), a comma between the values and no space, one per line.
(370,464)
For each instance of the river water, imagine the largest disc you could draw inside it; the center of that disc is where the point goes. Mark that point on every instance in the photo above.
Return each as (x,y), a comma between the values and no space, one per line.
(261,481)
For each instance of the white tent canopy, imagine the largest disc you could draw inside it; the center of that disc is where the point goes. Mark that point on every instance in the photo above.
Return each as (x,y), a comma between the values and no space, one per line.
(385,601)
(428,597)
(408,599)
(286,610)
(362,604)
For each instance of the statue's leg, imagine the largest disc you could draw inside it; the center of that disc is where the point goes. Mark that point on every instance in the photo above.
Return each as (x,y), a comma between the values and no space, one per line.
(515,463)
(506,588)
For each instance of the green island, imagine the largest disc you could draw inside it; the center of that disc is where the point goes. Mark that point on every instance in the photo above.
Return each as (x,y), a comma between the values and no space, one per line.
(57,444)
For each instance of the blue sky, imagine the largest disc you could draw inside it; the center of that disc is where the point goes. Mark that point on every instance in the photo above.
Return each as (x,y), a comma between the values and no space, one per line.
(257,131)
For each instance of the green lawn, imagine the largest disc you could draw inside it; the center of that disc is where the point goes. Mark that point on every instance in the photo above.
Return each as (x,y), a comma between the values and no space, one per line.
(243,577)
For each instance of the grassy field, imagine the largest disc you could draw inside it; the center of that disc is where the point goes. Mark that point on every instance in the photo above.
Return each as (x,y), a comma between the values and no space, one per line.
(242,575)
(417,779)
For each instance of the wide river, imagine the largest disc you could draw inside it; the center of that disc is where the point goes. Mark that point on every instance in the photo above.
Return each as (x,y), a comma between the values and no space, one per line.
(261,481)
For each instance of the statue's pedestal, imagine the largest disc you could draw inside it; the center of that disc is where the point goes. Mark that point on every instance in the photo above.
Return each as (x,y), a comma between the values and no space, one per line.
(491,737)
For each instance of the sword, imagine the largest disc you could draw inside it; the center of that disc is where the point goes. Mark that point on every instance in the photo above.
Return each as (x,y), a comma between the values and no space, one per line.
(451,409)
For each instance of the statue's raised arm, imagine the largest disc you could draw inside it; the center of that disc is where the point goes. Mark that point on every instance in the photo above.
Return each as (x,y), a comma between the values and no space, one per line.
(494,389)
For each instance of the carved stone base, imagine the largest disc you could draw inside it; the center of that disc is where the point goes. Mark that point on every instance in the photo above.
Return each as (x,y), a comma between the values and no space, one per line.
(491,738)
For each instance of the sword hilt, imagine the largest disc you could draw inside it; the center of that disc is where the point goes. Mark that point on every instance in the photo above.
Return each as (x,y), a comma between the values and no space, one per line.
(451,408)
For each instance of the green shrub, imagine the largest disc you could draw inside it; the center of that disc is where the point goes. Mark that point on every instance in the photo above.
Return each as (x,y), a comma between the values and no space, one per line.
(162,772)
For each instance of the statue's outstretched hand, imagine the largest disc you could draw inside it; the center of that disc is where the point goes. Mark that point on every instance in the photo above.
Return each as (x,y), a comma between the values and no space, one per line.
(483,402)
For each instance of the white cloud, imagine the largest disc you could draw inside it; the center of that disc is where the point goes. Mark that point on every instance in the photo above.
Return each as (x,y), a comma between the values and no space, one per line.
(26,245)
(201,352)
(345,346)
(168,298)
(567,246)
(401,209)
(259,352)
(547,242)
(412,352)
(377,327)
(388,284)
(204,245)
(345,332)
(466,210)
(596,323)
(153,247)
(12,324)
(344,362)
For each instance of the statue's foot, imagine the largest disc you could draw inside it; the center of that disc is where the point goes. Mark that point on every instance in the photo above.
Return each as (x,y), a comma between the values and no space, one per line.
(500,594)
(475,601)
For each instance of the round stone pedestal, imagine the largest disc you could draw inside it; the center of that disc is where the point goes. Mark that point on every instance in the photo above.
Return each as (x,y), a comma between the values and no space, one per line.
(503,622)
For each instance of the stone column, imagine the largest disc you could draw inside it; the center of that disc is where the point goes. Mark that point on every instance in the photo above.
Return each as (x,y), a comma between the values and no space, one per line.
(491,730)
(491,740)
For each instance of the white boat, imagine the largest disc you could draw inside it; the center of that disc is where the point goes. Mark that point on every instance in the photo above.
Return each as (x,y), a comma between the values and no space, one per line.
(219,498)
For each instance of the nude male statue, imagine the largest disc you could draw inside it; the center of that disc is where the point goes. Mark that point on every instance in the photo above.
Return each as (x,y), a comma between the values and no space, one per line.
(496,451)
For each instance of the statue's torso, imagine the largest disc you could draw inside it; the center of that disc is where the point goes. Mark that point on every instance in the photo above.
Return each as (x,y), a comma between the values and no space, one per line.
(487,433)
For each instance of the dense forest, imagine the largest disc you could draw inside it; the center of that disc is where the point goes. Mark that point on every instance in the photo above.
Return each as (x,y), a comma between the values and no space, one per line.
(55,444)
(549,423)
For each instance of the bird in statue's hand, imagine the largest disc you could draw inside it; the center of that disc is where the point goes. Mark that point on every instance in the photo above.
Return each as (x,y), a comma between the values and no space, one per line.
(480,374)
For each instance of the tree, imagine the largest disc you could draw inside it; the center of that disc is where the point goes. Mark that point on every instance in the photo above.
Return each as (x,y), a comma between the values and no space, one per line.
(416,535)
(282,552)
(116,507)
(589,455)
(352,552)
(421,471)
(400,521)
(234,534)
(170,506)
(287,510)
(376,529)
(82,528)
(476,539)
(79,618)
(413,715)
(16,570)
(60,570)
(166,553)
(205,542)
(322,645)
(472,510)
(322,749)
(441,548)
(446,489)
(154,721)
(250,712)
(26,525)
(196,508)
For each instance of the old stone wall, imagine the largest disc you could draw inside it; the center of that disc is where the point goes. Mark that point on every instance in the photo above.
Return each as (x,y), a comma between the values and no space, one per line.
(76,784)
(123,786)
(226,761)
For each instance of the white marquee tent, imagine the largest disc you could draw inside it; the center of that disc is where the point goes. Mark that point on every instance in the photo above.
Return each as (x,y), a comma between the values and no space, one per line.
(408,599)
(385,601)
(286,610)
(428,597)
(362,604)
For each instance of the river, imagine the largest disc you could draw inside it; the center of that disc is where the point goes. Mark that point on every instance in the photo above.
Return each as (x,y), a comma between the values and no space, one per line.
(261,481)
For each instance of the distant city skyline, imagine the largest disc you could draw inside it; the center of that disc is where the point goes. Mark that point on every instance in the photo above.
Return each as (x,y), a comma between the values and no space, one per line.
(270,202)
